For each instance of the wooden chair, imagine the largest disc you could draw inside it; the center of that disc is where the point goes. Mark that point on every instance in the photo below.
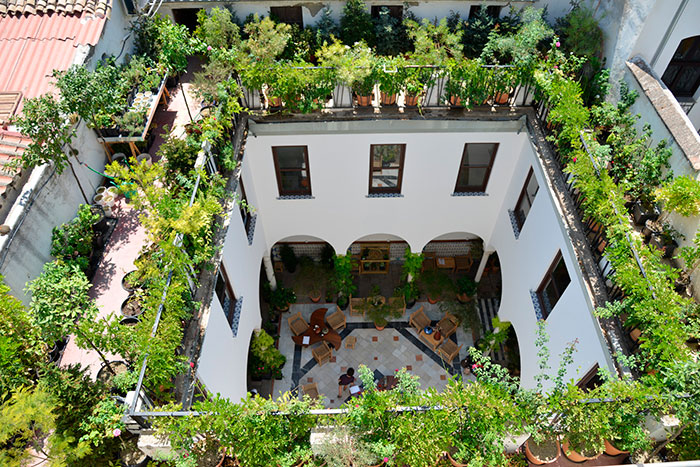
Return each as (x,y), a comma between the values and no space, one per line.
(428,262)
(418,320)
(297,324)
(310,390)
(322,353)
(350,342)
(463,263)
(448,325)
(356,308)
(448,351)
(336,320)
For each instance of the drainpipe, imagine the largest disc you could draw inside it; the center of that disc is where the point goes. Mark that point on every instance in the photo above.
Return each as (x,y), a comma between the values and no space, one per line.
(667,35)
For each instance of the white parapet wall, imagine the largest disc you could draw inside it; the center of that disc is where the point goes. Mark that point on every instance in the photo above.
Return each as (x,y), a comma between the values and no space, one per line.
(340,212)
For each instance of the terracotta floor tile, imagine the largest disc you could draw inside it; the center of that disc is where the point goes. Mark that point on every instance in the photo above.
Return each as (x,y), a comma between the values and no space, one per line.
(419,358)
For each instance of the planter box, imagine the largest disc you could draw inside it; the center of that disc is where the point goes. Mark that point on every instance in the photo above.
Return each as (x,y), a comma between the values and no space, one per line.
(642,214)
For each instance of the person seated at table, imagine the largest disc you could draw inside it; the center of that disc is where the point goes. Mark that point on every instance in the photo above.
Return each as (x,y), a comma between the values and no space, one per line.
(344,380)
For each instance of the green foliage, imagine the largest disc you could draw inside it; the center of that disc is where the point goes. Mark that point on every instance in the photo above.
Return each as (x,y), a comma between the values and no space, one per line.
(289,258)
(43,120)
(412,263)
(103,422)
(466,313)
(354,66)
(579,32)
(356,23)
(281,298)
(343,280)
(466,285)
(266,40)
(72,242)
(433,42)
(59,299)
(264,355)
(21,347)
(681,195)
(179,154)
(519,48)
(437,283)
(174,45)
(390,33)
(218,29)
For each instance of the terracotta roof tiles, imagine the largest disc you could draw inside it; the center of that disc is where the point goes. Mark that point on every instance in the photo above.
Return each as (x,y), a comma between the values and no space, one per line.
(99,8)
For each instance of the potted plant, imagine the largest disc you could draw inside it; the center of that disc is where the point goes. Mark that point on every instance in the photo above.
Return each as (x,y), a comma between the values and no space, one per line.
(542,448)
(436,283)
(265,358)
(466,288)
(289,258)
(390,79)
(281,298)
(310,278)
(343,280)
(466,313)
(410,292)
(414,81)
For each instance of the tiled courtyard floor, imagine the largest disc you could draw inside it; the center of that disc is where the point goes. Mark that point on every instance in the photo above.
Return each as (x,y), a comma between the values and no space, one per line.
(397,346)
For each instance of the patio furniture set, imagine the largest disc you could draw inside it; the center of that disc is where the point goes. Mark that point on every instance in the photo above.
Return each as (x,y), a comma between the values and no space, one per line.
(453,263)
(437,337)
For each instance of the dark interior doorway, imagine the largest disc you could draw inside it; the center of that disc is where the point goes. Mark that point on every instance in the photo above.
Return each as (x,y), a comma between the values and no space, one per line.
(186,16)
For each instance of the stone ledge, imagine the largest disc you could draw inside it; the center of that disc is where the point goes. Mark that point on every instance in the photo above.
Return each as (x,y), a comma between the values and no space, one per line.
(668,109)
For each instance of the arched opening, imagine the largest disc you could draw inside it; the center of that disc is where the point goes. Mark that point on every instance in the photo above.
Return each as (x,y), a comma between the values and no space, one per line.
(377,264)
(304,265)
(682,75)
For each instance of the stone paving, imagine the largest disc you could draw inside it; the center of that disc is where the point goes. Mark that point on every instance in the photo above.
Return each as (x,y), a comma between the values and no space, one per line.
(397,346)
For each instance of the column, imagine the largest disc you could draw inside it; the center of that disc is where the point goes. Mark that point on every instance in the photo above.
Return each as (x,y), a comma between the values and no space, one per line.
(269,271)
(482,264)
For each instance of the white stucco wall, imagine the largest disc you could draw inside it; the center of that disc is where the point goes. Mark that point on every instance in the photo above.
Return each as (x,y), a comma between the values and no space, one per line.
(340,213)
(223,360)
(422,9)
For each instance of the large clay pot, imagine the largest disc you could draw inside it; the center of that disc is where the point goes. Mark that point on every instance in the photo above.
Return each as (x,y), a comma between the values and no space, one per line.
(388,99)
(412,100)
(455,101)
(536,453)
(454,462)
(611,450)
(501,98)
(575,456)
(364,101)
(274,102)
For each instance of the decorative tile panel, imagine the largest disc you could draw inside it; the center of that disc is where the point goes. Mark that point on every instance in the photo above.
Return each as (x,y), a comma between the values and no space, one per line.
(236,316)
(296,197)
(514,223)
(385,195)
(536,304)
(251,228)
(470,193)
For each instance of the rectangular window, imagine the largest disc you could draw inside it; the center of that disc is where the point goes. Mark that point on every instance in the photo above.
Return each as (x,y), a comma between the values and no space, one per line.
(527,197)
(292,167)
(553,286)
(475,167)
(493,11)
(246,214)
(386,168)
(225,294)
(395,11)
(288,14)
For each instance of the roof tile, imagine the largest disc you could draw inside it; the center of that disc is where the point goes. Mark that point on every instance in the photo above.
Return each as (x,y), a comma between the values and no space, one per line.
(69,7)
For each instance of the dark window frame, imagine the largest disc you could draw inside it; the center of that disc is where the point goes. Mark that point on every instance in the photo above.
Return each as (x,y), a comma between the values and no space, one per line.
(379,190)
(547,280)
(283,14)
(523,196)
(494,11)
(278,173)
(683,64)
(487,176)
(395,11)
(246,216)
(232,305)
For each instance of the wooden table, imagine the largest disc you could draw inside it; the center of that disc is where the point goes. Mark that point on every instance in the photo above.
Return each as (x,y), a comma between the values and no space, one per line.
(445,262)
(318,318)
(430,339)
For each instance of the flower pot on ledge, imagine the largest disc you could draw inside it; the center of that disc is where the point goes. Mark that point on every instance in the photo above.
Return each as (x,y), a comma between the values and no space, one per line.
(364,101)
(542,453)
(387,99)
(611,450)
(411,100)
(575,456)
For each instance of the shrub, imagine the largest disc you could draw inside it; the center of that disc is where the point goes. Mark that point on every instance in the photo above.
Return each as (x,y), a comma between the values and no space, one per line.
(72,242)
(356,24)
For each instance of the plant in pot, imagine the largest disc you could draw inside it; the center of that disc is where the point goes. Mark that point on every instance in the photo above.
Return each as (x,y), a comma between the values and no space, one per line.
(665,239)
(466,288)
(343,280)
(281,298)
(73,242)
(437,284)
(310,278)
(466,313)
(414,82)
(585,426)
(265,356)
(390,79)
(341,447)
(289,258)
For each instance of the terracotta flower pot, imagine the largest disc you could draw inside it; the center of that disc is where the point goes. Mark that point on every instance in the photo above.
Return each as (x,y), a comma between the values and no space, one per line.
(388,99)
(364,101)
(575,456)
(315,296)
(454,462)
(501,98)
(411,100)
(274,101)
(432,300)
(611,450)
(455,101)
(533,451)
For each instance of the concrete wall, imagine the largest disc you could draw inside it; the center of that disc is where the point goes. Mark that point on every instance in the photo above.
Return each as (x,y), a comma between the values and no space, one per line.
(56,203)
(341,213)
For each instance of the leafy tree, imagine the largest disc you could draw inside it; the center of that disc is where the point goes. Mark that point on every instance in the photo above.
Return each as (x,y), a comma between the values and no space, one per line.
(433,42)
(356,24)
(219,28)
(520,47)
(21,346)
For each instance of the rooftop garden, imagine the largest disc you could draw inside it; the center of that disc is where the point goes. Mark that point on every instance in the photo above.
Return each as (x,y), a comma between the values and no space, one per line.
(63,415)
